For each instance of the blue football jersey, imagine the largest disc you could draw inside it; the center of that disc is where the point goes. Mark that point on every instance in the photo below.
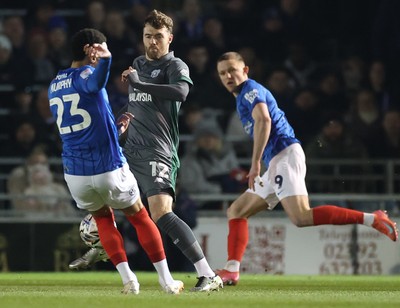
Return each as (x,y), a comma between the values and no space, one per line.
(282,134)
(80,105)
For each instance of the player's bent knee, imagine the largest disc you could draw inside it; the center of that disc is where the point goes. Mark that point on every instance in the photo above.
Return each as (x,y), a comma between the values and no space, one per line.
(301,222)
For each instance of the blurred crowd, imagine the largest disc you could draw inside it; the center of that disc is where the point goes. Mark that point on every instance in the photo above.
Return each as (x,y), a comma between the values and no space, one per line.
(332,66)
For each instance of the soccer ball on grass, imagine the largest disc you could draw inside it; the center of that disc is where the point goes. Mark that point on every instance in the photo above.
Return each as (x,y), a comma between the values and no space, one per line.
(89,233)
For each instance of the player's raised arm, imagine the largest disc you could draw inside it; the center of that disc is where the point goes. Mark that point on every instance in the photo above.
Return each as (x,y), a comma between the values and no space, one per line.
(176,91)
(100,57)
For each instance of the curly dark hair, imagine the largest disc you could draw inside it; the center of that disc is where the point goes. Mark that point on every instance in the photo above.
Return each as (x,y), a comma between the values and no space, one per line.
(83,37)
(157,20)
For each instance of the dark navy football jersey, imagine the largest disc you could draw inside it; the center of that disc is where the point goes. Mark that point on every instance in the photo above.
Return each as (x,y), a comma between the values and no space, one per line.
(79,103)
(282,134)
(155,127)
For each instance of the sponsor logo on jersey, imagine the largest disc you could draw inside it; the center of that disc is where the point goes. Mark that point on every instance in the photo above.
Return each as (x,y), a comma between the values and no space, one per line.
(139,97)
(62,76)
(155,73)
(86,73)
(251,96)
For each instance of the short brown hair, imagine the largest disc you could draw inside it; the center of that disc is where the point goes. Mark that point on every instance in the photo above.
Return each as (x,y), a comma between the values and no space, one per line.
(158,20)
(231,55)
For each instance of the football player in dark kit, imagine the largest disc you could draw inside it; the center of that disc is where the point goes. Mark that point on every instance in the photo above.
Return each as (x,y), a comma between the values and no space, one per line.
(158,84)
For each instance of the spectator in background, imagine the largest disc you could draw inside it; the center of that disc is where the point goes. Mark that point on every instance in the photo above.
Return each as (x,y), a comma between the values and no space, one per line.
(46,124)
(59,48)
(304,113)
(280,24)
(389,141)
(135,20)
(119,38)
(17,181)
(335,142)
(210,165)
(14,29)
(272,31)
(378,83)
(282,86)
(385,38)
(291,12)
(197,59)
(331,92)
(214,37)
(43,195)
(241,142)
(353,72)
(19,108)
(95,15)
(365,119)
(22,104)
(22,140)
(39,69)
(299,63)
(214,97)
(41,16)
(239,18)
(190,24)
(191,115)
(7,70)
(254,62)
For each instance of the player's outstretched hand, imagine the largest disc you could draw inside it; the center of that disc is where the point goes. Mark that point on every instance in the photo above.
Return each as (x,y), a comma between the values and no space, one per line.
(131,75)
(123,122)
(254,176)
(97,50)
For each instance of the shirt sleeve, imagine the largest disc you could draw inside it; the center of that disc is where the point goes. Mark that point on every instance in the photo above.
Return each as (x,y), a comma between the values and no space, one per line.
(99,77)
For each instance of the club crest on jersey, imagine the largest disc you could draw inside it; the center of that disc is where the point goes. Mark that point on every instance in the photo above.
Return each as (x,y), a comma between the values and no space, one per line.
(247,127)
(251,96)
(158,180)
(155,73)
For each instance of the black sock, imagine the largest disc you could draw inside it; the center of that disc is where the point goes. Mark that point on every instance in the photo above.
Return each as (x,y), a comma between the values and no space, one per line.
(182,236)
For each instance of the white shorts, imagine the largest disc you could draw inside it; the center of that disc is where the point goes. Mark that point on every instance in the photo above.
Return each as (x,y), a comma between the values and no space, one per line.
(117,189)
(285,176)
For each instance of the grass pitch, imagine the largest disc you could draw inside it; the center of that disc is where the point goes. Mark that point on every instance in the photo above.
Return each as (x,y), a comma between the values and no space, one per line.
(102,289)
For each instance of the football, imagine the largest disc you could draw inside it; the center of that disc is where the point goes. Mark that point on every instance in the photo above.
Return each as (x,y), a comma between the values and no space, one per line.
(89,233)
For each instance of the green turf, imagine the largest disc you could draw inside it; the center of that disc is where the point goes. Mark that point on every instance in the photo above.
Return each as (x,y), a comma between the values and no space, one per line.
(102,289)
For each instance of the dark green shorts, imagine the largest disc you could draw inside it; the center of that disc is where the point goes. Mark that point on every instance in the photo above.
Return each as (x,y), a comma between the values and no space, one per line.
(155,173)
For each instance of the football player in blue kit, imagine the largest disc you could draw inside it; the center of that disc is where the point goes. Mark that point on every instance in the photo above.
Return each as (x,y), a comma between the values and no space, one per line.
(95,170)
(276,146)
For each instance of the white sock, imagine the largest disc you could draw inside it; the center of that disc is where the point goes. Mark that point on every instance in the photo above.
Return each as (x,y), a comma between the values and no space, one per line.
(203,268)
(125,272)
(164,275)
(232,266)
(368,219)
